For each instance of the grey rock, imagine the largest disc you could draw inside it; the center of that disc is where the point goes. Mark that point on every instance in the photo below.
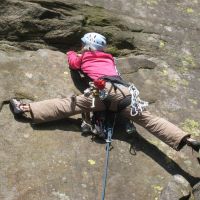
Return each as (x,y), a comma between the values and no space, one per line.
(177,188)
(59,25)
(196,191)
(158,46)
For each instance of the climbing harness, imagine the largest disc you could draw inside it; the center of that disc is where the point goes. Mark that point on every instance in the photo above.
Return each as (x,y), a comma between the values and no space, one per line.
(97,89)
(137,105)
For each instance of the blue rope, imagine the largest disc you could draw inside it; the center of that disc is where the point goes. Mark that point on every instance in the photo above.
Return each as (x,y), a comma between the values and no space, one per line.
(108,143)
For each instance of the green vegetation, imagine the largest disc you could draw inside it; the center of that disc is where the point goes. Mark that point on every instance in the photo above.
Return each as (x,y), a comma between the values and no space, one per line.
(189,10)
(164,72)
(152,2)
(191,126)
(172,83)
(183,69)
(113,50)
(184,82)
(119,37)
(193,101)
(162,44)
(188,61)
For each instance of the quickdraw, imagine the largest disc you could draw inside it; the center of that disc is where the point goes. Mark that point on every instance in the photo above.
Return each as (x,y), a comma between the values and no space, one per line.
(96,91)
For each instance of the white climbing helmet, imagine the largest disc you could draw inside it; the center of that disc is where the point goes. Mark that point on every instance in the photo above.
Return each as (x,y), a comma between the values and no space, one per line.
(94,41)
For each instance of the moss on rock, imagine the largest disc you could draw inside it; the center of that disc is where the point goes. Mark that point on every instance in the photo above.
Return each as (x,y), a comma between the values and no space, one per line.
(60,26)
(191,126)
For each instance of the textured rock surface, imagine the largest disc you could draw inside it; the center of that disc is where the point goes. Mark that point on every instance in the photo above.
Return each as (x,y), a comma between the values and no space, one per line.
(177,188)
(196,191)
(38,24)
(53,161)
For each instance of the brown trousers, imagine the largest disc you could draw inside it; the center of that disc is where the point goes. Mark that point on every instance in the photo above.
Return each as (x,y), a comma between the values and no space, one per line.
(54,109)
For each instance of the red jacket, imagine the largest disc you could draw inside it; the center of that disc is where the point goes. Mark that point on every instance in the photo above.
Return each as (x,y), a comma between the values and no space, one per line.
(94,64)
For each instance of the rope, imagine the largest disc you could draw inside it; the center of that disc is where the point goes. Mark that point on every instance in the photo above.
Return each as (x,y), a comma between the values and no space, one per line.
(108,144)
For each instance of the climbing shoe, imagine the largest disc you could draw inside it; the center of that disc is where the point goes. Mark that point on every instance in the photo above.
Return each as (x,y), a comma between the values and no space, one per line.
(195,145)
(15,106)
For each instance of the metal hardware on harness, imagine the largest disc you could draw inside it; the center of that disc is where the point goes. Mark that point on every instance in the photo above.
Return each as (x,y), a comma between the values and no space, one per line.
(137,105)
(93,102)
(102,94)
(87,92)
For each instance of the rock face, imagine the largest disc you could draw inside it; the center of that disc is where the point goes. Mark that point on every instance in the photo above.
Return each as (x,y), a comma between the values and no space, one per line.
(196,191)
(57,25)
(177,188)
(157,48)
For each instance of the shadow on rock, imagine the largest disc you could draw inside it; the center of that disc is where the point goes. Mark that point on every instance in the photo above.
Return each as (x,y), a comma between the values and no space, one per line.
(136,141)
(139,143)
(68,124)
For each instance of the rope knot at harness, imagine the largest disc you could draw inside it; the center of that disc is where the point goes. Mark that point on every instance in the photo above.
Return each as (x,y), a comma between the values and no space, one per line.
(137,105)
